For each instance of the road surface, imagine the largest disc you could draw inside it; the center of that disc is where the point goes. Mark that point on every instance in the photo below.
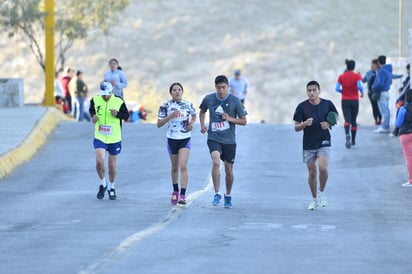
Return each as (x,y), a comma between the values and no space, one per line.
(51,221)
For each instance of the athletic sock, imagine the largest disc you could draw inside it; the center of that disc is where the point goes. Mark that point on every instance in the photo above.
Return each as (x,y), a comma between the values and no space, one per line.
(183,191)
(102,182)
(175,187)
(346,127)
(111,186)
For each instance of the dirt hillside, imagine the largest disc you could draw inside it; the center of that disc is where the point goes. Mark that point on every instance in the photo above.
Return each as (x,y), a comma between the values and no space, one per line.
(278,45)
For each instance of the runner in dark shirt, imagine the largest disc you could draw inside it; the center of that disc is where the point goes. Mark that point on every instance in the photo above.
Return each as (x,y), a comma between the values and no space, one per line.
(314,116)
(225,112)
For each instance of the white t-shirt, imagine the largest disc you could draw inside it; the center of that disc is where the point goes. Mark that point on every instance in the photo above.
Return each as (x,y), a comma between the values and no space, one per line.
(177,127)
(238,87)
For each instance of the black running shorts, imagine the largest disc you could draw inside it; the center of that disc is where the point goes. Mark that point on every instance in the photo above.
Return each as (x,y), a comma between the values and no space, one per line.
(227,151)
(173,146)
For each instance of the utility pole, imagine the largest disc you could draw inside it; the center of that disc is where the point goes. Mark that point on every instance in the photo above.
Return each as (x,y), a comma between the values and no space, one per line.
(49,29)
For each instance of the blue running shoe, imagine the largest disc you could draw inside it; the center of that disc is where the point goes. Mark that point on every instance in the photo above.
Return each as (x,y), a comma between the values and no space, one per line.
(228,201)
(216,199)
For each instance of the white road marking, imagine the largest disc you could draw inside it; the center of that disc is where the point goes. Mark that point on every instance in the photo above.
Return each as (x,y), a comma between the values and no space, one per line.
(130,241)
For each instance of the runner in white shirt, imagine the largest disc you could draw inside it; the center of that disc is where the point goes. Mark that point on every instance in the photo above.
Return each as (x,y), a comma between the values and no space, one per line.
(179,115)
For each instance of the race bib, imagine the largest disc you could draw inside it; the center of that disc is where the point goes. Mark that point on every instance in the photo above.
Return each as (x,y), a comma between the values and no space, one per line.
(105,130)
(220,126)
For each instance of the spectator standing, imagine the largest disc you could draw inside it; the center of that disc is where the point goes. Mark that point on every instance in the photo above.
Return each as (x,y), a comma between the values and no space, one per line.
(380,88)
(369,78)
(401,98)
(81,95)
(350,84)
(404,123)
(58,87)
(116,77)
(238,86)
(69,73)
(72,91)
(59,93)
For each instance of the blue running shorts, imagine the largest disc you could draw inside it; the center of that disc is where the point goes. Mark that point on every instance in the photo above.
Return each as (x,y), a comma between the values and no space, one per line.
(113,149)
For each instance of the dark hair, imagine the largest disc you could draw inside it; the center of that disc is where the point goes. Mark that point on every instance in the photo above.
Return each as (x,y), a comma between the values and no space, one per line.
(375,61)
(58,72)
(408,66)
(79,72)
(313,83)
(114,60)
(382,59)
(350,64)
(175,84)
(408,96)
(221,79)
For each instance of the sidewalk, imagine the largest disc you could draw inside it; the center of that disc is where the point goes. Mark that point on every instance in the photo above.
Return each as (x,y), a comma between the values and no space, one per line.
(23,131)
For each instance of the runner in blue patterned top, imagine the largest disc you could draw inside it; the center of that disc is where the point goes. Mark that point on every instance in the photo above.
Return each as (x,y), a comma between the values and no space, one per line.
(179,115)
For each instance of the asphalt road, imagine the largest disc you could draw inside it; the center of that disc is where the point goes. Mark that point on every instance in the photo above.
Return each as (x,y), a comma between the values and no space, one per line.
(51,221)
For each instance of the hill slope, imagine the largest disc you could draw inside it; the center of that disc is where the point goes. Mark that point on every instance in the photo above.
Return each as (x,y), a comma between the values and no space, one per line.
(279,45)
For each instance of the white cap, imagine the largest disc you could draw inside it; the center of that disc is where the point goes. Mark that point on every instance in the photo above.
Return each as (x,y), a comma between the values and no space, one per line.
(105,88)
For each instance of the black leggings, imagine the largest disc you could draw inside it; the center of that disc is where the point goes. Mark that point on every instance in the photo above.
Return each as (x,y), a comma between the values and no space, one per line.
(375,109)
(350,110)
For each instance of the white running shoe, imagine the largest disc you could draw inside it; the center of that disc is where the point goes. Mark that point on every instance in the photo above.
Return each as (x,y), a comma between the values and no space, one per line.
(381,130)
(323,202)
(313,204)
(407,184)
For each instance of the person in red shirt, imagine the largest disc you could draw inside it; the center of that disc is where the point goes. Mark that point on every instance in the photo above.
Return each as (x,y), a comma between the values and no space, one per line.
(350,84)
(69,73)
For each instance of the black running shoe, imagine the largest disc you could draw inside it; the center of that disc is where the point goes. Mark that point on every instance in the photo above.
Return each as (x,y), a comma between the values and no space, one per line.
(112,194)
(102,190)
(348,143)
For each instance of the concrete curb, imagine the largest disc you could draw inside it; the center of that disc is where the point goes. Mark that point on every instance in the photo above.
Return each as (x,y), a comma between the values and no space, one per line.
(32,143)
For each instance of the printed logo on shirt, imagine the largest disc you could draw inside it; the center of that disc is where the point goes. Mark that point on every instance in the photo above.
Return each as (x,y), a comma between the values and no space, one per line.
(219,110)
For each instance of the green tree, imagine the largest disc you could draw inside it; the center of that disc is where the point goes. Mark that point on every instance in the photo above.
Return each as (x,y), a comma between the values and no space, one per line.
(75,20)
